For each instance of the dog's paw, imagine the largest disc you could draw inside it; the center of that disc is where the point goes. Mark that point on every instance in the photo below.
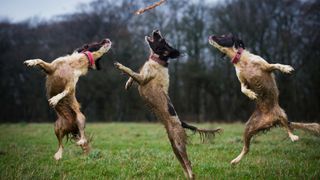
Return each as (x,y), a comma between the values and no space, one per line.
(54,101)
(33,62)
(293,137)
(286,69)
(252,95)
(118,66)
(81,142)
(58,155)
(235,161)
(128,84)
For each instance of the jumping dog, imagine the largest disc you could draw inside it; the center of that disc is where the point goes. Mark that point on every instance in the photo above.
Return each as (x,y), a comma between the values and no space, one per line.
(258,83)
(153,85)
(62,77)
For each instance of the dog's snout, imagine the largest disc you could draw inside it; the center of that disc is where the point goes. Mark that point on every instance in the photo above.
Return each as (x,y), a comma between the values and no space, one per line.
(211,37)
(108,41)
(156,32)
(105,41)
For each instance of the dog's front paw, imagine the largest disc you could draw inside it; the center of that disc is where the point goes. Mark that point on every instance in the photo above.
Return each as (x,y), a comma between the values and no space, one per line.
(128,84)
(54,101)
(252,95)
(287,69)
(33,62)
(118,66)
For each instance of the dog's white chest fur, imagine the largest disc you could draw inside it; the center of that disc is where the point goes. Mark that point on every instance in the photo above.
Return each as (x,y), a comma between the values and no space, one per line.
(161,73)
(79,72)
(237,72)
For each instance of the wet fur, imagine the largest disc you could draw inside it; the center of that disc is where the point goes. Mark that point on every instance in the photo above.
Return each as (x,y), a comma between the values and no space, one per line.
(258,83)
(62,76)
(153,81)
(153,86)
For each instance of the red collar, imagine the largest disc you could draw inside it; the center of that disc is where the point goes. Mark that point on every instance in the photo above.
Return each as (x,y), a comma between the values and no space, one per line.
(156,58)
(237,57)
(90,57)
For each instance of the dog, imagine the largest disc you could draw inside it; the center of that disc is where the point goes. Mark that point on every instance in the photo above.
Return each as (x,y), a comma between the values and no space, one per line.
(258,83)
(153,86)
(62,77)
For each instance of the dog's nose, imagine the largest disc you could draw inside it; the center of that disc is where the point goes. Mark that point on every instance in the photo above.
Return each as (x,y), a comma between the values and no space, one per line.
(107,41)
(156,31)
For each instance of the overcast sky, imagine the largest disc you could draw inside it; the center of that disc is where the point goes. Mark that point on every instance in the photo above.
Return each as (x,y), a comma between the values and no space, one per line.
(19,10)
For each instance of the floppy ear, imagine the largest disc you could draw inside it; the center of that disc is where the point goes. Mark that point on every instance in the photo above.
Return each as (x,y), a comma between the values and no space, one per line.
(86,46)
(174,54)
(103,41)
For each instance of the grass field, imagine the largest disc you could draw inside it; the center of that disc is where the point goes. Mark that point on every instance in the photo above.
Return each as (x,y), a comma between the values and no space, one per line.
(142,151)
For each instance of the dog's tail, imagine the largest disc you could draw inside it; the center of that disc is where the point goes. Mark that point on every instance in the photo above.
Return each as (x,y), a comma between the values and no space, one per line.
(204,133)
(313,128)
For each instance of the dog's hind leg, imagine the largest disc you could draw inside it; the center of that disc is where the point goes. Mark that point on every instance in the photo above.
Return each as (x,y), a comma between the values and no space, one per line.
(177,137)
(257,122)
(282,116)
(59,133)
(47,67)
(81,122)
(248,133)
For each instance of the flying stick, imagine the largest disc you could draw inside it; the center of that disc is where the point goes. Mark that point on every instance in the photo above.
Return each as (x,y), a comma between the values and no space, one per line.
(140,11)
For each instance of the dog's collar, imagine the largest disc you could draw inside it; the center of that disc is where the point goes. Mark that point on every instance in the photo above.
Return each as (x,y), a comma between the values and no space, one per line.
(90,58)
(156,58)
(237,57)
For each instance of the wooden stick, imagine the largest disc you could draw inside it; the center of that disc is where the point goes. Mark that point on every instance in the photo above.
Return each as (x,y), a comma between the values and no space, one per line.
(140,11)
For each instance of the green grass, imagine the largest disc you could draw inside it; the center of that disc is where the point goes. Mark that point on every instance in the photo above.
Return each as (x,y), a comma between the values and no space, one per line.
(142,151)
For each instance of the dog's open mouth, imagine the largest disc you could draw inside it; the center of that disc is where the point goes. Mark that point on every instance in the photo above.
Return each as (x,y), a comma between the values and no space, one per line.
(154,36)
(212,40)
(105,41)
(150,39)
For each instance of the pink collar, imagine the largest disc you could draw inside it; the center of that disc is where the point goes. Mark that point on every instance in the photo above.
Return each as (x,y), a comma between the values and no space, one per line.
(237,57)
(156,58)
(90,57)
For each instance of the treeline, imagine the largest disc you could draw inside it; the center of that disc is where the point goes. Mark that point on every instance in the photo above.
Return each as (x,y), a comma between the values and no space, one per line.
(203,87)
